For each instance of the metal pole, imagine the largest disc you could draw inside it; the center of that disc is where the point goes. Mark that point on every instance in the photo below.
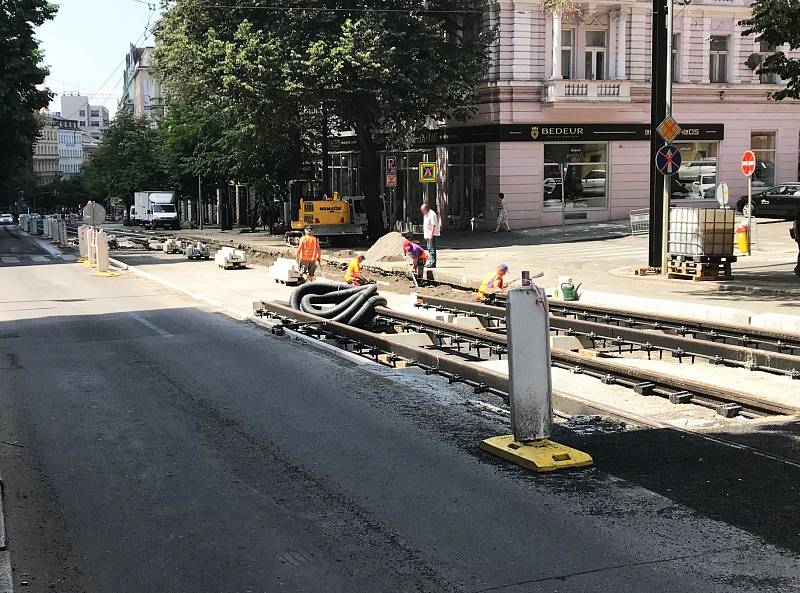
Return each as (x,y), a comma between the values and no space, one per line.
(200,208)
(668,111)
(749,214)
(657,114)
(561,167)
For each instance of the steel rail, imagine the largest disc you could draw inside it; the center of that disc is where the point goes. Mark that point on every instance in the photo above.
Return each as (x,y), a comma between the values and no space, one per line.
(713,331)
(724,401)
(647,340)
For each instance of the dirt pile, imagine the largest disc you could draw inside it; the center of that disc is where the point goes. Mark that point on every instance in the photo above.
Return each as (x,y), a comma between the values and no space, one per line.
(387,248)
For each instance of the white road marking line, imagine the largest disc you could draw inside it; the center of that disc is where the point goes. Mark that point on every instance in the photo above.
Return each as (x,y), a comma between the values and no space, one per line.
(67,257)
(10,260)
(40,258)
(150,325)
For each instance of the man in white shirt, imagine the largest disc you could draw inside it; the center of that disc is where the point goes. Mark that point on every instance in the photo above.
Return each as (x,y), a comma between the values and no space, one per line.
(430,230)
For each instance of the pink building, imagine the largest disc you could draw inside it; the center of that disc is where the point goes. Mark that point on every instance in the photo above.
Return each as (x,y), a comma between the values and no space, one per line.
(575,88)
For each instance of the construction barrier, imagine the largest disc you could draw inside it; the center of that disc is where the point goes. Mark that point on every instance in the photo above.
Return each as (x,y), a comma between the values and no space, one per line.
(101,251)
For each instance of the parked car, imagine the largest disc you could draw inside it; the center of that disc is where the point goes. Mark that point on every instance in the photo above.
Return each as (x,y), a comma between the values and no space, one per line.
(778,201)
(6,218)
(594,183)
(692,170)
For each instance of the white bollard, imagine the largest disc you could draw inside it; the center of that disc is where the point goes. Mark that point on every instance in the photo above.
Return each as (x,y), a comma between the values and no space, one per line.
(101,239)
(62,233)
(55,230)
(530,387)
(90,247)
(82,240)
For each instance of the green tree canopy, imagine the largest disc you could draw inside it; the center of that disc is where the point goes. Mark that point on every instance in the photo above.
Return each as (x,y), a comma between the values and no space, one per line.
(128,160)
(777,23)
(21,73)
(380,70)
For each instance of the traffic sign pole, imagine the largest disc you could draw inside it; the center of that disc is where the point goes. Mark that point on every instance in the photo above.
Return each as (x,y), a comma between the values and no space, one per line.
(748,168)
(668,104)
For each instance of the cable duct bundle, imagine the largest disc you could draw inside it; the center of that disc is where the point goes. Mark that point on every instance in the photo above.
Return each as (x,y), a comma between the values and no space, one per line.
(344,303)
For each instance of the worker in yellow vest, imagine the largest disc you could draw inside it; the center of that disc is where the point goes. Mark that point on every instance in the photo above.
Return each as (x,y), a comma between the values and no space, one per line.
(353,273)
(308,254)
(493,282)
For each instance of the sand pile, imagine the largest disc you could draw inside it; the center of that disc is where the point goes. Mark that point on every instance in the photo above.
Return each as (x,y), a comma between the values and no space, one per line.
(387,248)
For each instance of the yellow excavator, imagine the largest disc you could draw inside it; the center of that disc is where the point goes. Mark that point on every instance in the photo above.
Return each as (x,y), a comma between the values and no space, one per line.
(332,219)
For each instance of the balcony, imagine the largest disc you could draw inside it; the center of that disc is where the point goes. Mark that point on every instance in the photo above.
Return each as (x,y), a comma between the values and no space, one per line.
(586,91)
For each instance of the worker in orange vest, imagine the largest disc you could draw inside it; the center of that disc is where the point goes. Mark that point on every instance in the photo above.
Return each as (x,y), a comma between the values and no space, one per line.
(353,273)
(493,282)
(308,254)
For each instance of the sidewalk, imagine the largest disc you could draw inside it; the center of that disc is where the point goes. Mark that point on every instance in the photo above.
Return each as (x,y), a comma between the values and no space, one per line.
(600,256)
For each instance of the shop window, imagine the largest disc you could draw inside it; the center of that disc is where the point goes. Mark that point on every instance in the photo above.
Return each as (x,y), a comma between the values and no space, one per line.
(585,175)
(595,56)
(697,177)
(763,145)
(466,185)
(567,43)
(718,59)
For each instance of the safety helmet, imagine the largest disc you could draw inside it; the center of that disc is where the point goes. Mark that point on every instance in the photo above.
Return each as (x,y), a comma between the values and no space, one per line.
(503,267)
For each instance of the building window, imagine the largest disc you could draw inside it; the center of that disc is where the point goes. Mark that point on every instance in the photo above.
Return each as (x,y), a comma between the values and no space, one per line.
(567,42)
(697,177)
(595,64)
(763,145)
(95,124)
(766,50)
(585,173)
(83,123)
(718,59)
(95,113)
(676,41)
(82,113)
(466,185)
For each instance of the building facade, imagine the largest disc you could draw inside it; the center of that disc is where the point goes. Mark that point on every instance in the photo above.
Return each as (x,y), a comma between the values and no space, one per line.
(70,147)
(92,119)
(574,89)
(45,153)
(142,93)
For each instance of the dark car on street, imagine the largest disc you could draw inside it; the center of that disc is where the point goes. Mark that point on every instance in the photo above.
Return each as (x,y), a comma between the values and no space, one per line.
(779,201)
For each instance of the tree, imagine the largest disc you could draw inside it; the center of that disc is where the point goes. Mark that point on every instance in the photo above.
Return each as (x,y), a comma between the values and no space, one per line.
(777,22)
(381,72)
(127,161)
(21,75)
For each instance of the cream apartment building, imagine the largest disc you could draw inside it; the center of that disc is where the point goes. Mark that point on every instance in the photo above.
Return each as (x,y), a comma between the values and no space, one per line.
(574,87)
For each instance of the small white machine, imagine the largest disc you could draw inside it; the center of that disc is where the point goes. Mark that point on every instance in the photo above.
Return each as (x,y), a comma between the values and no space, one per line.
(197,250)
(228,258)
(285,270)
(173,246)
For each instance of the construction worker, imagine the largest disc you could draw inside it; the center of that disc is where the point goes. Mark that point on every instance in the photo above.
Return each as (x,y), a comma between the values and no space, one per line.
(353,273)
(417,255)
(492,282)
(308,254)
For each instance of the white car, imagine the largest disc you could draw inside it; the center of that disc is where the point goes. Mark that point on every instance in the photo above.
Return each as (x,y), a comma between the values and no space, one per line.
(693,170)
(594,183)
(6,218)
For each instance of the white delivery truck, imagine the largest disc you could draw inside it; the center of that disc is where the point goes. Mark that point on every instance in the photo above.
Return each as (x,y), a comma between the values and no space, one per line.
(155,209)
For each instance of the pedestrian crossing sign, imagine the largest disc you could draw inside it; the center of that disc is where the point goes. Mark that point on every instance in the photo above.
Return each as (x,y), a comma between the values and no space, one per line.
(427,172)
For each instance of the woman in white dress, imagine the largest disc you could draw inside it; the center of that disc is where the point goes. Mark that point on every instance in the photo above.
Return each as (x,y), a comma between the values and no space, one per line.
(502,217)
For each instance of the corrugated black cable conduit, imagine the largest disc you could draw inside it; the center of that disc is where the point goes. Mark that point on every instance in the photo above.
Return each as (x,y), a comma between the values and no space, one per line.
(344,303)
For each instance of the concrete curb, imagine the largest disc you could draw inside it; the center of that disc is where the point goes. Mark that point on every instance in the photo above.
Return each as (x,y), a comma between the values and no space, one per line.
(6,579)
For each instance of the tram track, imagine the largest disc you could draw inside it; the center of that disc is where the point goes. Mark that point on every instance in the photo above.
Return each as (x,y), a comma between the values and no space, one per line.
(755,349)
(455,350)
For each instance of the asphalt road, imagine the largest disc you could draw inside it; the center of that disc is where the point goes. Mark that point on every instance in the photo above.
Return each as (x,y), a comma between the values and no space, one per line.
(147,444)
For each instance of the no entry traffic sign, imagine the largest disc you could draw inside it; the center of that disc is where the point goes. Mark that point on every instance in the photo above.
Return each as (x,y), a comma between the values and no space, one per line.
(748,162)
(668,159)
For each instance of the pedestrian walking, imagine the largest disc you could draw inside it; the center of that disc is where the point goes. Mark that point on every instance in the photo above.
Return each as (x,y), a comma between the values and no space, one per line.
(416,254)
(502,215)
(430,230)
(794,231)
(308,254)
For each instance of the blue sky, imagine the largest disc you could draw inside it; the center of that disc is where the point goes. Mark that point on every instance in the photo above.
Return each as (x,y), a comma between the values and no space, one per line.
(86,43)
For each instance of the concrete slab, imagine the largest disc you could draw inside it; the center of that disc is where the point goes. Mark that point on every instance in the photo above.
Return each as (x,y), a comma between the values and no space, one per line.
(468,322)
(565,343)
(410,339)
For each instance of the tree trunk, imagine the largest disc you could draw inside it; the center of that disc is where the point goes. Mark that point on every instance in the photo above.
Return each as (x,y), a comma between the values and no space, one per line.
(370,176)
(326,160)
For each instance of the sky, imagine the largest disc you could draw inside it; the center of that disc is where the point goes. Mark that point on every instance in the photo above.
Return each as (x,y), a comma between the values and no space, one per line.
(86,43)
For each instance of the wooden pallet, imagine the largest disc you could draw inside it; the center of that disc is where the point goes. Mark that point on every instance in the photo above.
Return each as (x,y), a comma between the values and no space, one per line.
(647,271)
(699,270)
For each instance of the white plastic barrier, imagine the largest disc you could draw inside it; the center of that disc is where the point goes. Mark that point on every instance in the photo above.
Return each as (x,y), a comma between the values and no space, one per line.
(101,251)
(82,240)
(62,233)
(90,247)
(55,231)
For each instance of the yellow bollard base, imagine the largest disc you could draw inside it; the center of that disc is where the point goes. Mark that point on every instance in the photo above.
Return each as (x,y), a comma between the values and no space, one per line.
(540,456)
(106,274)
